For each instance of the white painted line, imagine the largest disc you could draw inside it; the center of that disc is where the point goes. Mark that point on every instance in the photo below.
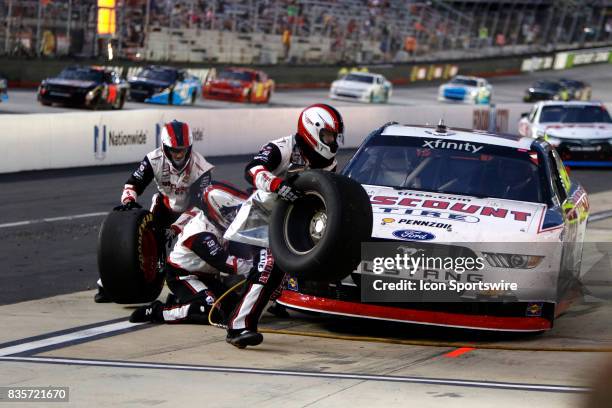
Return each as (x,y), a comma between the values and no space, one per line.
(41,220)
(600,216)
(312,374)
(66,338)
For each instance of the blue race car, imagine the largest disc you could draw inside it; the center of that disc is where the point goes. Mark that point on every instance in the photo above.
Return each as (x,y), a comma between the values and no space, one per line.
(164,85)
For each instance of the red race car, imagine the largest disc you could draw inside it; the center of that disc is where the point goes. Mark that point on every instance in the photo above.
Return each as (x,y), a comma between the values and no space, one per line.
(240,85)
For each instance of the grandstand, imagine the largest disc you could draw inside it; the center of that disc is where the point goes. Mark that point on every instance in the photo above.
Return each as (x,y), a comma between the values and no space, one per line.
(302,31)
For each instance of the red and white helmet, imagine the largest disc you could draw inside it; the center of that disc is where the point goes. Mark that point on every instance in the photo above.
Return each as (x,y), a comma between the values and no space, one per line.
(176,140)
(221,203)
(321,127)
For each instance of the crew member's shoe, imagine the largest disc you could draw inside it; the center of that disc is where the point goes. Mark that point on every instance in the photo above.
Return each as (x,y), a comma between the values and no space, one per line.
(148,313)
(243,338)
(102,296)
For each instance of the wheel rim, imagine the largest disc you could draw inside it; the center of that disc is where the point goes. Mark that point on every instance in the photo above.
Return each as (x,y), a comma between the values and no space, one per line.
(148,260)
(305,223)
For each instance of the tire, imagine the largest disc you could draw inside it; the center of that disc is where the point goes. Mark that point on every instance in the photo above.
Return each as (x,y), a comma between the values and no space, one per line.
(339,202)
(128,255)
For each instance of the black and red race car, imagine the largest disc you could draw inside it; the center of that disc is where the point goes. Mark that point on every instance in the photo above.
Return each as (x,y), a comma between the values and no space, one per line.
(88,87)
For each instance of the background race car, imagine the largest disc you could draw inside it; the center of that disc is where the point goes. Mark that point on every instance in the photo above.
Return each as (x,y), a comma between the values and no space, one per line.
(239,85)
(466,89)
(547,90)
(3,89)
(90,87)
(362,87)
(164,85)
(580,131)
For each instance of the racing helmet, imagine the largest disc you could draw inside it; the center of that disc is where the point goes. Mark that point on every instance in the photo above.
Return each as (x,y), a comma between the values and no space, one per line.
(321,126)
(221,203)
(176,140)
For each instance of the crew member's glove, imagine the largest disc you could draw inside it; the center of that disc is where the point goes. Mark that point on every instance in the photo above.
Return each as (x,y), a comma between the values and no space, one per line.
(287,192)
(130,205)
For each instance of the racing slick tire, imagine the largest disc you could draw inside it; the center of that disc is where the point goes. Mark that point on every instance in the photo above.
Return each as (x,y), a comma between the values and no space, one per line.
(318,237)
(128,254)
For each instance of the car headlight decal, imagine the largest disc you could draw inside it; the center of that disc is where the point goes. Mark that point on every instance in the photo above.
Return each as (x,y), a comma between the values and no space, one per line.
(512,261)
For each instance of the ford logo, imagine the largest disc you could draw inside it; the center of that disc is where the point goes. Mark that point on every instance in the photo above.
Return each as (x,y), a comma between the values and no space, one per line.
(413,235)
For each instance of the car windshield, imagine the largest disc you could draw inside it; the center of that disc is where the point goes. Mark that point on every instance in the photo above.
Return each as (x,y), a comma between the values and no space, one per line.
(464,81)
(236,76)
(448,166)
(575,114)
(82,74)
(366,79)
(552,86)
(162,75)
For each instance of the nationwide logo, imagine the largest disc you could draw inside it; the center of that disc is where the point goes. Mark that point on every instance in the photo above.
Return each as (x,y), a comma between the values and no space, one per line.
(121,138)
(413,235)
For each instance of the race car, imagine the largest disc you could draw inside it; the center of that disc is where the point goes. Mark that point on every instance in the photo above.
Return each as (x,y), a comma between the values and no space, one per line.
(164,85)
(578,90)
(361,87)
(89,87)
(580,131)
(3,89)
(466,89)
(239,85)
(547,90)
(506,200)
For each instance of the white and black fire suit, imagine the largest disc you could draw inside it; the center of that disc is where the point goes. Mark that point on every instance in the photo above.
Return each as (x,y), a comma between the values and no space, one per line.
(265,172)
(177,190)
(193,269)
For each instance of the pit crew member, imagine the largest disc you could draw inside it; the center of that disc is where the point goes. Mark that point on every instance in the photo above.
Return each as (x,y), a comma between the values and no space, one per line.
(199,260)
(314,146)
(179,173)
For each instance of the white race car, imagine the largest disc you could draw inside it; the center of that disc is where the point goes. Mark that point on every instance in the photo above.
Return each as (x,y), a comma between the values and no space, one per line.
(580,131)
(506,200)
(361,87)
(466,89)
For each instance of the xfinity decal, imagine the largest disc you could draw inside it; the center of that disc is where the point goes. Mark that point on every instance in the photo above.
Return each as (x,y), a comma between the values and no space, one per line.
(445,144)
(413,235)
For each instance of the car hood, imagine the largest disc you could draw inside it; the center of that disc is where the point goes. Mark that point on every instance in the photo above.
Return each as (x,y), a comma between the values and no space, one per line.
(354,85)
(151,82)
(76,83)
(579,130)
(223,83)
(458,86)
(425,216)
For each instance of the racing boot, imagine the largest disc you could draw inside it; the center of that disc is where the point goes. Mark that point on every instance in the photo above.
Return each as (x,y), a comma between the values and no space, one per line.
(148,313)
(243,338)
(102,296)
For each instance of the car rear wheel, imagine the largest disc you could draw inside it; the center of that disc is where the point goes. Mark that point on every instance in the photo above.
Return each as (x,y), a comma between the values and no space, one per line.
(128,257)
(319,236)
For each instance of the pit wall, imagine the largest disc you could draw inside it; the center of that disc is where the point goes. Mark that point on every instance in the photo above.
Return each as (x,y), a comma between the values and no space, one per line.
(52,141)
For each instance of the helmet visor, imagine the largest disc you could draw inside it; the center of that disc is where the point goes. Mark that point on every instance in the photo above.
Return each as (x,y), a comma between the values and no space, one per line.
(329,138)
(178,155)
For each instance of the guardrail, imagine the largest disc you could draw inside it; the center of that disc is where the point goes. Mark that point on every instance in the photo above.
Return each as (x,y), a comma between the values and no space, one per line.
(51,141)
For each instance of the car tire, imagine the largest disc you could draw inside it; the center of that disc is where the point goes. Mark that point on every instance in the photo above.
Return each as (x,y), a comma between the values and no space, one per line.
(128,255)
(338,202)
